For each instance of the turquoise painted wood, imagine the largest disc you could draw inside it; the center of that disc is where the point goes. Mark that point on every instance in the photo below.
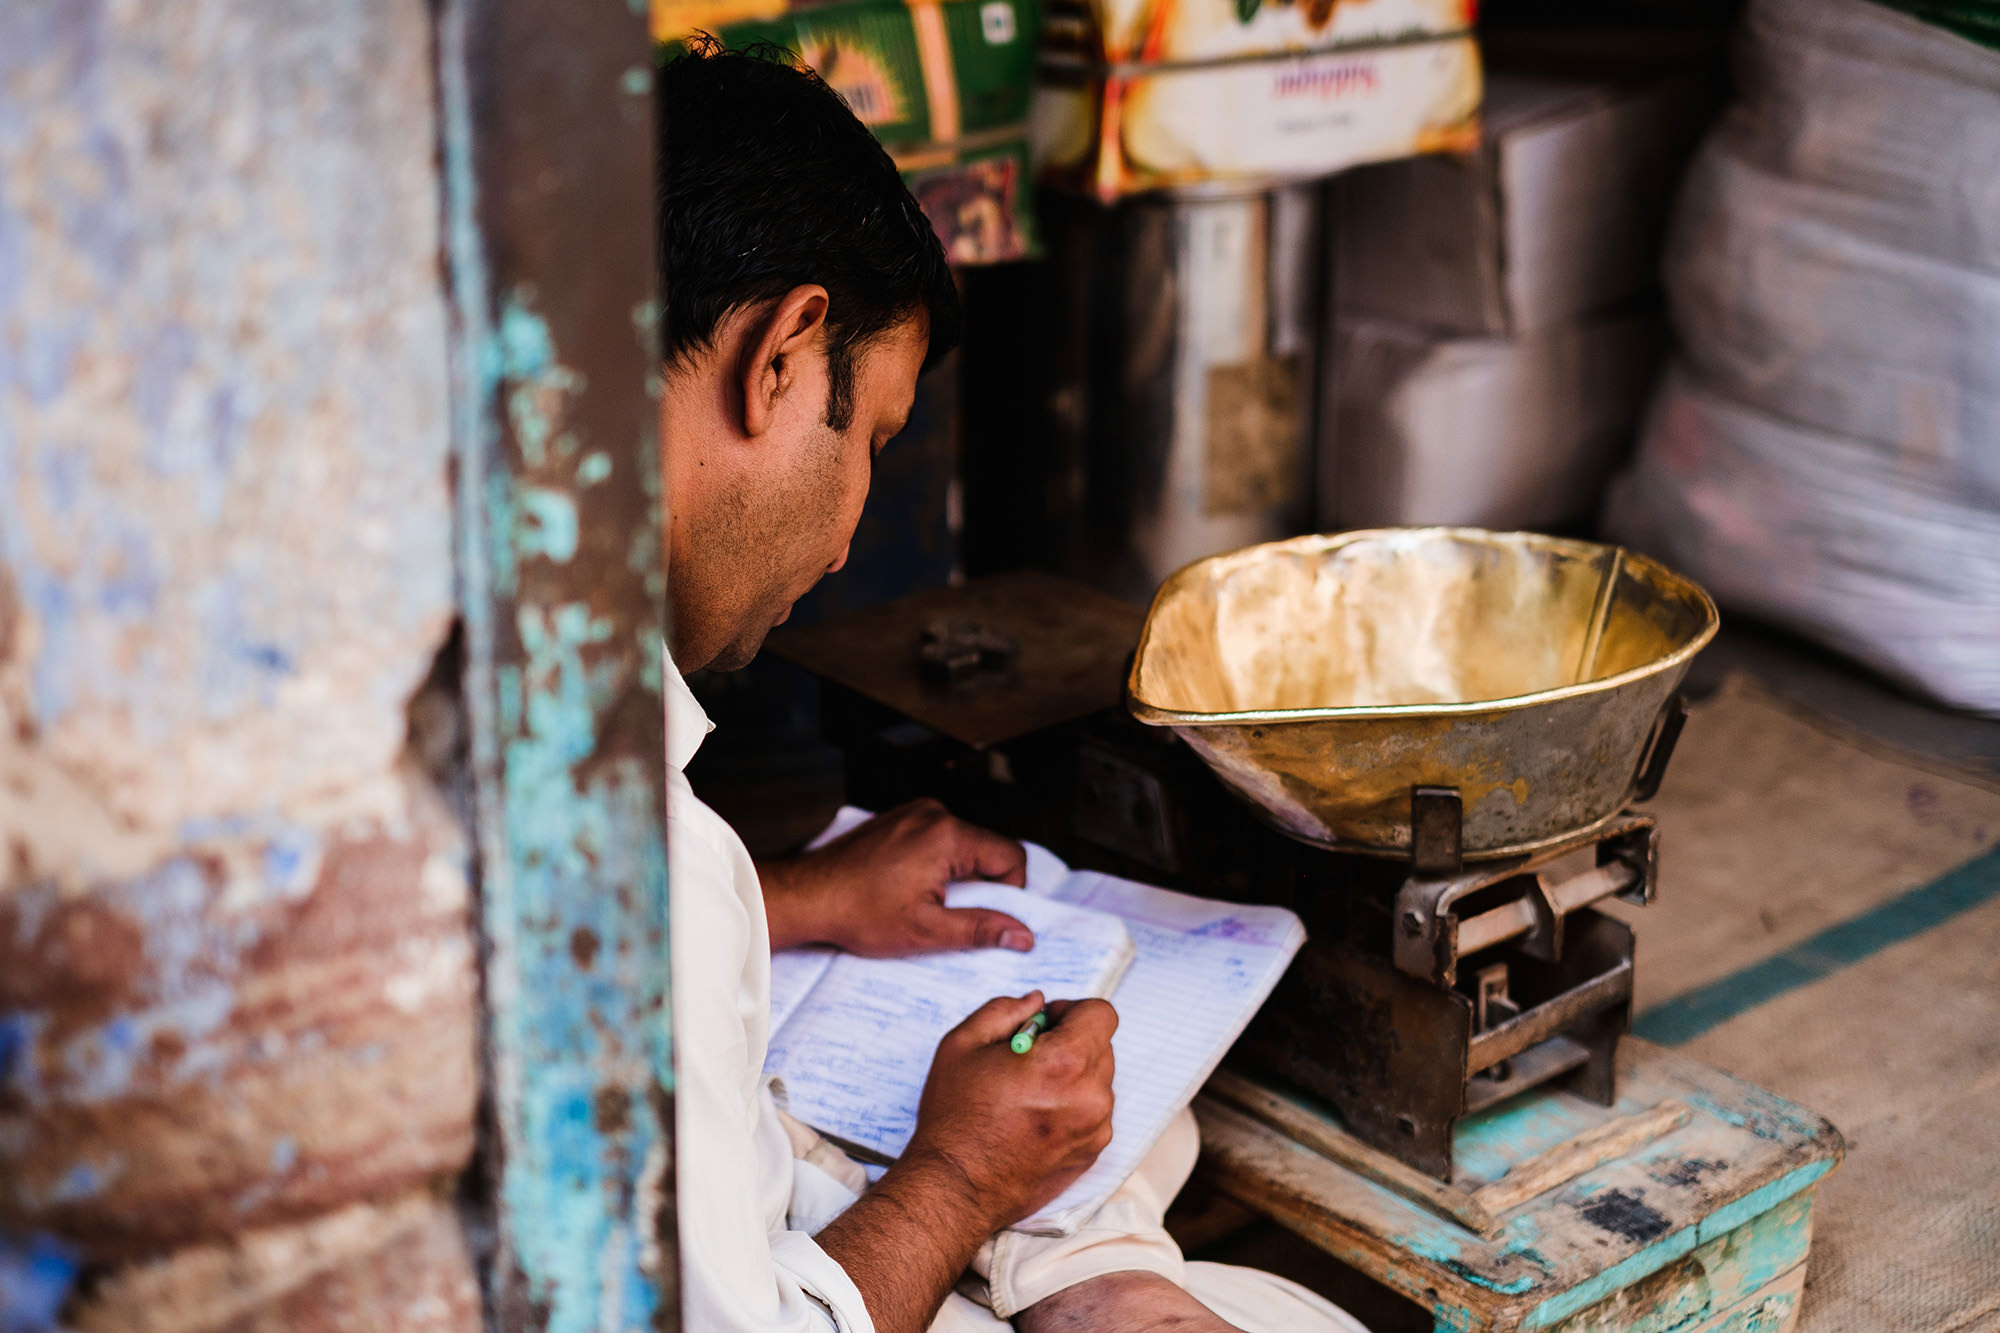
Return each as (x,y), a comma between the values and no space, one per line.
(1748,1279)
(548,150)
(1711,1220)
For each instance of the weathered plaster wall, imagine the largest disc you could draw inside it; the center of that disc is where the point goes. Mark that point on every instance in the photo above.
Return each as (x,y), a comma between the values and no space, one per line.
(236,984)
(395,1267)
(223,403)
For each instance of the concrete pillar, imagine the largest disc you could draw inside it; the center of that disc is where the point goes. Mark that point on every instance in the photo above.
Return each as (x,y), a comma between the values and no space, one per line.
(236,975)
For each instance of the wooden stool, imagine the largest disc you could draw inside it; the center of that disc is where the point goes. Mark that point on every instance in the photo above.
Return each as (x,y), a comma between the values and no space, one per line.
(1686,1206)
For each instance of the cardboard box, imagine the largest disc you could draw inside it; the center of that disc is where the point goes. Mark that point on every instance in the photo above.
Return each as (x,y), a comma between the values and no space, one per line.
(1107,33)
(1255,121)
(919,72)
(1559,214)
(1427,428)
(977,199)
(946,85)
(1140,95)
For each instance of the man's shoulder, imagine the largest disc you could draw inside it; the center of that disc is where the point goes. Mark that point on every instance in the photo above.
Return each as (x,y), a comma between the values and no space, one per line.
(712,885)
(695,830)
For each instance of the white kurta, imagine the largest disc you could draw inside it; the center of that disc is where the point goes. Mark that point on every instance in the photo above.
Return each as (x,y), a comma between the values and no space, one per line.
(748,1206)
(743,1268)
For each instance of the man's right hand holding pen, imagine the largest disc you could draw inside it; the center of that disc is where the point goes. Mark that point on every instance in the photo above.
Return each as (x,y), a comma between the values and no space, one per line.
(998,1135)
(1021,1127)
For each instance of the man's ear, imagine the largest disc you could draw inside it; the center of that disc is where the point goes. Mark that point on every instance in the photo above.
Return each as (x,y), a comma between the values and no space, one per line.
(775,347)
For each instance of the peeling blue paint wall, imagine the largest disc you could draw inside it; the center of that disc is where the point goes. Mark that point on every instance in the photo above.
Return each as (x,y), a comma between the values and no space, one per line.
(574,882)
(225,523)
(562,590)
(234,381)
(236,964)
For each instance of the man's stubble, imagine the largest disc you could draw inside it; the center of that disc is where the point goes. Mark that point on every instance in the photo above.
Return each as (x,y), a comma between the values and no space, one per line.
(763,544)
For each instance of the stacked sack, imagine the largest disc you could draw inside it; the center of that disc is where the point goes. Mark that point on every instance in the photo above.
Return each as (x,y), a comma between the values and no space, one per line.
(1825,451)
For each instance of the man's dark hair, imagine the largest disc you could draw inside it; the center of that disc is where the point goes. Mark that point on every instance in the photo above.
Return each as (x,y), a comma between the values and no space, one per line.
(768,182)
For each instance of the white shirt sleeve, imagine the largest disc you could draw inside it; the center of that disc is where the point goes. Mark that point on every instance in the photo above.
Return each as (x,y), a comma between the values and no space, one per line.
(743,1269)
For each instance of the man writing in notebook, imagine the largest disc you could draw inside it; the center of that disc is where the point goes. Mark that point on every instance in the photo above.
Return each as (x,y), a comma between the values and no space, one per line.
(805,295)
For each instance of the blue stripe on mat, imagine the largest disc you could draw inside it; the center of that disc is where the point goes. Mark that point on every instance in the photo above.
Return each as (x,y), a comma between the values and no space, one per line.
(1687,1016)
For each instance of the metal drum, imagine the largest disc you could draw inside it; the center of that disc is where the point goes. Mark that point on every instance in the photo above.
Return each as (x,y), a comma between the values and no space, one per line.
(1325,677)
(1186,394)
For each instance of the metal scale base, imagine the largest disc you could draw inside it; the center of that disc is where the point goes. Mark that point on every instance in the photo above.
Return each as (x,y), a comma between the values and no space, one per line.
(1450,991)
(1685,1204)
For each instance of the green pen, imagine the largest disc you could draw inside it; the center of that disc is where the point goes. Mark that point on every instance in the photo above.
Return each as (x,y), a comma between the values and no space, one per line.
(1024,1041)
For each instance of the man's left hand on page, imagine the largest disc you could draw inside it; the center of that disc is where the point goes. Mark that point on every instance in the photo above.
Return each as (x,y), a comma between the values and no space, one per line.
(878,889)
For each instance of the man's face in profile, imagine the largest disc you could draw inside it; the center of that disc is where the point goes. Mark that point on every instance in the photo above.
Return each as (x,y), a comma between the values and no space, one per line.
(795,515)
(805,291)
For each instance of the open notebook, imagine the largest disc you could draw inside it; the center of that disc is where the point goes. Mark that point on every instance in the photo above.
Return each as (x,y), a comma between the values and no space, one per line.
(1195,972)
(852,1038)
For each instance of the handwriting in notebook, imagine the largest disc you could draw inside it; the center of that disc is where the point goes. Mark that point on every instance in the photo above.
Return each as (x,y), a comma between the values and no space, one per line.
(1199,970)
(854,1052)
(794,973)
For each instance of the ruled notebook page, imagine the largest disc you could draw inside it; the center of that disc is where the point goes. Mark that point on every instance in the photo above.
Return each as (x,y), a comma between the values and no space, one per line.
(1200,969)
(853,1052)
(794,973)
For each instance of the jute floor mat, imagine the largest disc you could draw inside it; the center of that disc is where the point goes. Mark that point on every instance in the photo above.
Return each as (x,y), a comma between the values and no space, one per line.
(1828,926)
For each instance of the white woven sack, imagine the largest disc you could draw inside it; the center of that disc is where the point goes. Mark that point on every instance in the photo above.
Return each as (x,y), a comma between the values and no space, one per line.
(1897,121)
(1778,305)
(1890,563)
